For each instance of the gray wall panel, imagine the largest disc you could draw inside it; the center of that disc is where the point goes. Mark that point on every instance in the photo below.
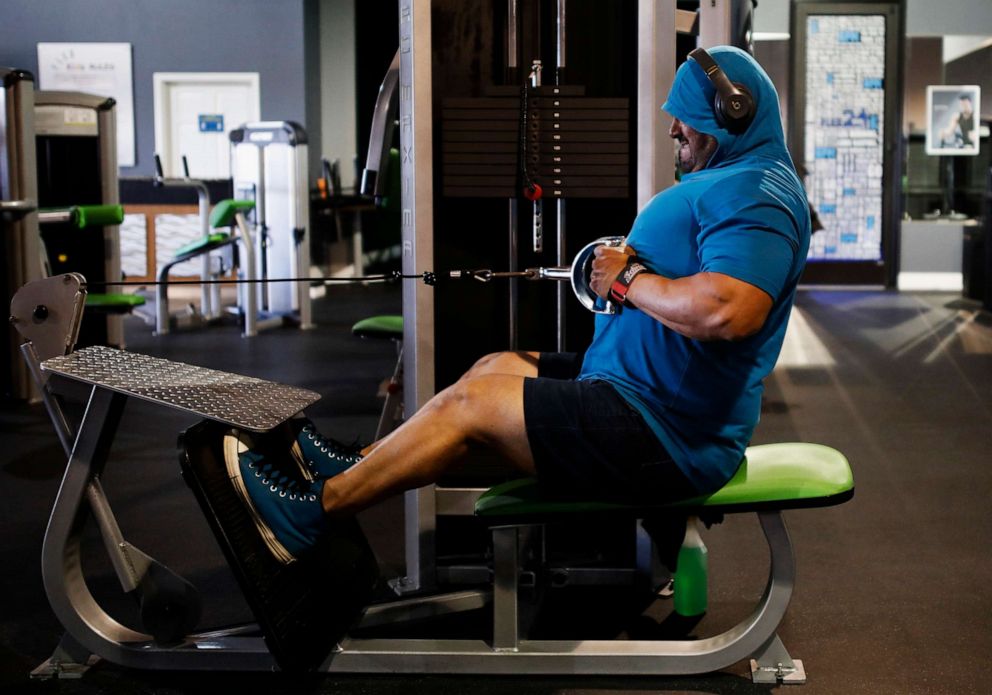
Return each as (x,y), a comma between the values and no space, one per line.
(264,36)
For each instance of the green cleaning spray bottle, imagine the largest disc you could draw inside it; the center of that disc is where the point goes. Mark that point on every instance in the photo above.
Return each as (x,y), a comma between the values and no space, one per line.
(691,573)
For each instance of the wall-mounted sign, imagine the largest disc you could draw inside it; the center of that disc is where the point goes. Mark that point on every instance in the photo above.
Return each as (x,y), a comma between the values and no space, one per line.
(845,101)
(952,119)
(103,69)
(211,122)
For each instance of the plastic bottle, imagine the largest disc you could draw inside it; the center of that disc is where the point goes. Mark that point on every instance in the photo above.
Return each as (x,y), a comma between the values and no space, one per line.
(691,573)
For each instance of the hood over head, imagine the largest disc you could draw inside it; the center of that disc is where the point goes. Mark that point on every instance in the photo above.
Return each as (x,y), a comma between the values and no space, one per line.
(691,101)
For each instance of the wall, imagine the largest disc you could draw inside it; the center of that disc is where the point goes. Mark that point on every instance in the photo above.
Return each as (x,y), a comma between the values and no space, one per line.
(774,58)
(264,36)
(923,17)
(924,67)
(337,85)
(974,68)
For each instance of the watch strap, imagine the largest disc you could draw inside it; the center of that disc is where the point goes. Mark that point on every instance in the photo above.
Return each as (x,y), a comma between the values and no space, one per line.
(618,290)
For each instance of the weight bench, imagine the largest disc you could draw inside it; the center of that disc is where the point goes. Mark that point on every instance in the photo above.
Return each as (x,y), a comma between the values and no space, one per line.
(311,613)
(227,213)
(387,327)
(771,478)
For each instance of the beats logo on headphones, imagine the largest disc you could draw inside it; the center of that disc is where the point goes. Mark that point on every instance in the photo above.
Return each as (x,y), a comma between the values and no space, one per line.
(733,104)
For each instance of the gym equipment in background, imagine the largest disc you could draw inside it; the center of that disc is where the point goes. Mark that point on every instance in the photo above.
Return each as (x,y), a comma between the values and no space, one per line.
(75,136)
(18,220)
(212,265)
(269,167)
(217,252)
(88,217)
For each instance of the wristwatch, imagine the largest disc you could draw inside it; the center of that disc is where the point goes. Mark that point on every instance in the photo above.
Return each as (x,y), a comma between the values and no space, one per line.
(618,290)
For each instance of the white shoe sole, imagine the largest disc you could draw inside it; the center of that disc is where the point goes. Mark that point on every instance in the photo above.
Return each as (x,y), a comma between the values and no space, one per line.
(297,453)
(233,447)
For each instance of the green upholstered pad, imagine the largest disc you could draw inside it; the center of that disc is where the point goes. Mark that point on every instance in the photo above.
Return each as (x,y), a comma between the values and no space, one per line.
(387,326)
(114,303)
(771,476)
(223,213)
(200,244)
(97,215)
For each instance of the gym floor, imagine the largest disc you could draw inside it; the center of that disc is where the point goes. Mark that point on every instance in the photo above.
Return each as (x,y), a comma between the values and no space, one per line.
(892,592)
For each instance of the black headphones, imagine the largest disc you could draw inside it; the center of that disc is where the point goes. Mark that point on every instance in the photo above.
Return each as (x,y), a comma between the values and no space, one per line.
(733,104)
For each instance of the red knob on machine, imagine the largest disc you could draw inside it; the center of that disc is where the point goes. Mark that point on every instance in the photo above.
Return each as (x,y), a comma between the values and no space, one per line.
(533,192)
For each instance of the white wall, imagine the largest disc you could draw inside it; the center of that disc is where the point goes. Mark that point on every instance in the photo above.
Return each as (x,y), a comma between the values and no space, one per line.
(956,46)
(337,85)
(923,17)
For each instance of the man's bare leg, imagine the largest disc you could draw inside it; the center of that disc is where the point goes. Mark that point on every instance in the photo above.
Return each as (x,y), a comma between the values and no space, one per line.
(508,363)
(485,410)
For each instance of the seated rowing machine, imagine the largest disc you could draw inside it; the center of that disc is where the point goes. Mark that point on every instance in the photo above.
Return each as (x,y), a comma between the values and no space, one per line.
(296,631)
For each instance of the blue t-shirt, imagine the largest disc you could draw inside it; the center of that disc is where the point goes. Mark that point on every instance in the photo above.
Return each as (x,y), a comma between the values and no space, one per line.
(745,215)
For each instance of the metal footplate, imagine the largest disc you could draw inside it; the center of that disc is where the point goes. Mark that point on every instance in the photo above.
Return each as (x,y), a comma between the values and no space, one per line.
(240,401)
(169,606)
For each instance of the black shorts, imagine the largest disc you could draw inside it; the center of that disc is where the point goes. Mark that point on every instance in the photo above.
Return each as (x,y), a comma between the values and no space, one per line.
(589,443)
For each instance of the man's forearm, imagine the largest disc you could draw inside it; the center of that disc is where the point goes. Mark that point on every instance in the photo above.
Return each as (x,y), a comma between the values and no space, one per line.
(705,306)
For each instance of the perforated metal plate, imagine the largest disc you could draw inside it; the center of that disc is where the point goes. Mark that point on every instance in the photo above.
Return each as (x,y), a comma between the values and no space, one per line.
(241,401)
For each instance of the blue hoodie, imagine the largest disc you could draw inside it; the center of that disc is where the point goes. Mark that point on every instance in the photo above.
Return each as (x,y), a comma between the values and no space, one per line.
(744,215)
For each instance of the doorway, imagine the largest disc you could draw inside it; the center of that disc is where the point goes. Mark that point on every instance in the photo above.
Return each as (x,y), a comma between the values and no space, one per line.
(195,111)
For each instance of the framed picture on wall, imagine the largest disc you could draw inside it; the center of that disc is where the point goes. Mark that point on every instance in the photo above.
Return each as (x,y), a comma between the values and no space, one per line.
(952,119)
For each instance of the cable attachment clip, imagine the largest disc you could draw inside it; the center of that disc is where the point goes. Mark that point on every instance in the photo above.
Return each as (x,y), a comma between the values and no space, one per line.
(480,275)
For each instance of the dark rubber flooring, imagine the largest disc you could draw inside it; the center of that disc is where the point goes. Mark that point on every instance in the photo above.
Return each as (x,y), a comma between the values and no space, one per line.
(892,593)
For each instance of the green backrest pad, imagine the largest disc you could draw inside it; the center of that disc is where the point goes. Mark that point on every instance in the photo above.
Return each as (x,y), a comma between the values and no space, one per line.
(192,246)
(122,302)
(787,474)
(97,215)
(387,326)
(223,213)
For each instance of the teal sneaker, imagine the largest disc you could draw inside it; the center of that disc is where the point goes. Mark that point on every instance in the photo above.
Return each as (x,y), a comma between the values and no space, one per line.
(286,509)
(319,456)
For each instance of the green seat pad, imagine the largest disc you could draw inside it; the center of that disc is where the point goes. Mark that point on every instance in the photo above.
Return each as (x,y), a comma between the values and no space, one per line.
(223,213)
(98,215)
(114,303)
(387,326)
(771,476)
(203,243)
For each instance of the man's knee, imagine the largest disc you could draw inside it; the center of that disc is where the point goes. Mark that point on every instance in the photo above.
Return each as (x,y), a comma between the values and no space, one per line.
(484,364)
(474,404)
(461,395)
(511,362)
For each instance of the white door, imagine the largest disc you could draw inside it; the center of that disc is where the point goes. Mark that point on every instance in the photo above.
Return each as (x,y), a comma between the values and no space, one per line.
(194,112)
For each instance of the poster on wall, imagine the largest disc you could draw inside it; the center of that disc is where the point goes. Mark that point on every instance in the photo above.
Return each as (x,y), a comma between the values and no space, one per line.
(844,143)
(103,69)
(952,121)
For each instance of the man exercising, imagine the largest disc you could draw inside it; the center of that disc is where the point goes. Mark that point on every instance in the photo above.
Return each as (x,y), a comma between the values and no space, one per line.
(664,401)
